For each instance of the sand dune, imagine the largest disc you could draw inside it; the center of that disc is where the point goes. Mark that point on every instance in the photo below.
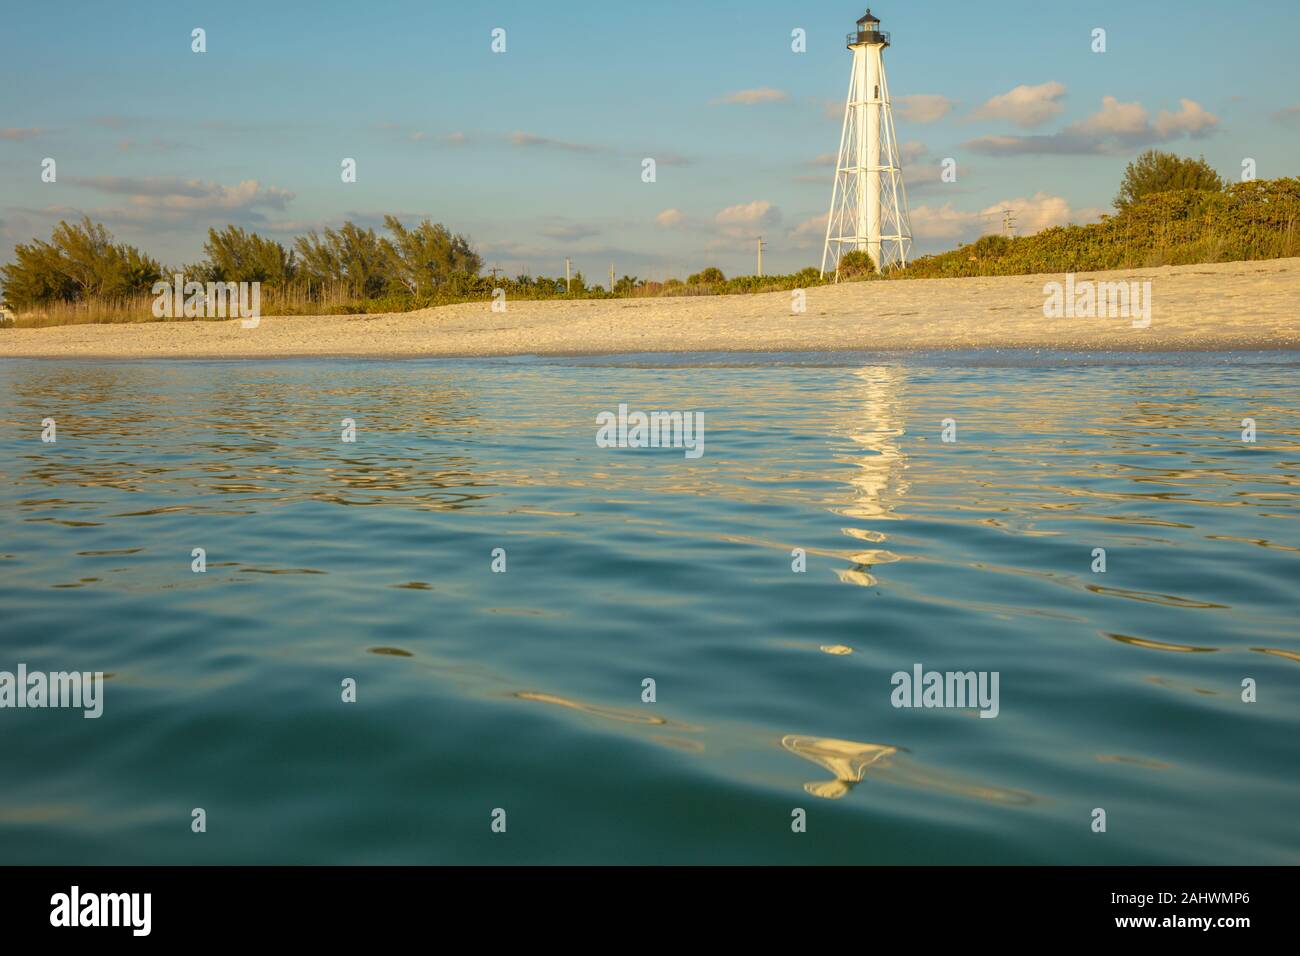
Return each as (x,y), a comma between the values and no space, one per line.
(1239,305)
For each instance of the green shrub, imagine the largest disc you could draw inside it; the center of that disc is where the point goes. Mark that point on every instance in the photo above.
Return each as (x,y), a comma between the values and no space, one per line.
(1157,172)
(1252,220)
(710,276)
(856,264)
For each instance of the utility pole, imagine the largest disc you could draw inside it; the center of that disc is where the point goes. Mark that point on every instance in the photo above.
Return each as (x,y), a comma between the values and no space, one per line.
(611,278)
(494,270)
(568,274)
(1008,222)
(761,244)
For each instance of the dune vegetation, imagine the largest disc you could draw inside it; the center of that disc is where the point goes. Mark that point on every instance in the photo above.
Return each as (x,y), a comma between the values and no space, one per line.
(1170,210)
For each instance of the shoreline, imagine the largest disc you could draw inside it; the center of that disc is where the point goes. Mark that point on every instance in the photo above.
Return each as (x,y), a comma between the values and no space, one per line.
(1252,305)
(649,354)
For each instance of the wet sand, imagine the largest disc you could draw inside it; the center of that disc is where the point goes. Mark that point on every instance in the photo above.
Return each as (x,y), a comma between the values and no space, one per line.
(1224,306)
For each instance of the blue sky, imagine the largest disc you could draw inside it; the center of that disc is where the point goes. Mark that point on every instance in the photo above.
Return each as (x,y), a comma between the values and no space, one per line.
(536,153)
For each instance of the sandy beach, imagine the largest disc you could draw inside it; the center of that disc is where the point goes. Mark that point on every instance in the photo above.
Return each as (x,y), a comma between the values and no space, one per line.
(1237,305)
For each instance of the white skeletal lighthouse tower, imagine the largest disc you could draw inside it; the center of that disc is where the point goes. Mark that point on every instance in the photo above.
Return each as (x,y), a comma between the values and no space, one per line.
(868,202)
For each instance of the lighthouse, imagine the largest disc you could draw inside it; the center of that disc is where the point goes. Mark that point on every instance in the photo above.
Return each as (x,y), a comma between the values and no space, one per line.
(868,200)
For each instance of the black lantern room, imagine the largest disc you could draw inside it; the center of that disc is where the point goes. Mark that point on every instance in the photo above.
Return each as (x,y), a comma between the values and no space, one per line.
(868,31)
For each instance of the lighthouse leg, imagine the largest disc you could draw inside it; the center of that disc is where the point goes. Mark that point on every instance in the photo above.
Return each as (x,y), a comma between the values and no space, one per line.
(834,218)
(862,90)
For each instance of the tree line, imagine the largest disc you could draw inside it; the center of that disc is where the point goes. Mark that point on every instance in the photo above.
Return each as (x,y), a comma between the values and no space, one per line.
(82,261)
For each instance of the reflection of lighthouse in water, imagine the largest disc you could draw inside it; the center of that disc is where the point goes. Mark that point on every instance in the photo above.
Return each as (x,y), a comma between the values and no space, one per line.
(877,424)
(877,427)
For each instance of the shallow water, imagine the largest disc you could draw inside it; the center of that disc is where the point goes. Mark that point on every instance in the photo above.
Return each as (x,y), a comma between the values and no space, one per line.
(522,691)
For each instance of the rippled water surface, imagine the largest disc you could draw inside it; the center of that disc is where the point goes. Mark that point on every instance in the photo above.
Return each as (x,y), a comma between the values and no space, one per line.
(522,691)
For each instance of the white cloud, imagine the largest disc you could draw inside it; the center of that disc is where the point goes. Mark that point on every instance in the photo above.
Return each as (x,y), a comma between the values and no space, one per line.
(1192,119)
(533,140)
(809,234)
(670,218)
(1025,106)
(1115,128)
(1289,115)
(168,193)
(912,151)
(570,232)
(1114,119)
(763,94)
(742,219)
(166,203)
(924,107)
(1032,214)
(941,222)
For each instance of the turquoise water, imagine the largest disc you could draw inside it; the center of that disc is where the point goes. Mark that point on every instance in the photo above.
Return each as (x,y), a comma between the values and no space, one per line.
(523,690)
